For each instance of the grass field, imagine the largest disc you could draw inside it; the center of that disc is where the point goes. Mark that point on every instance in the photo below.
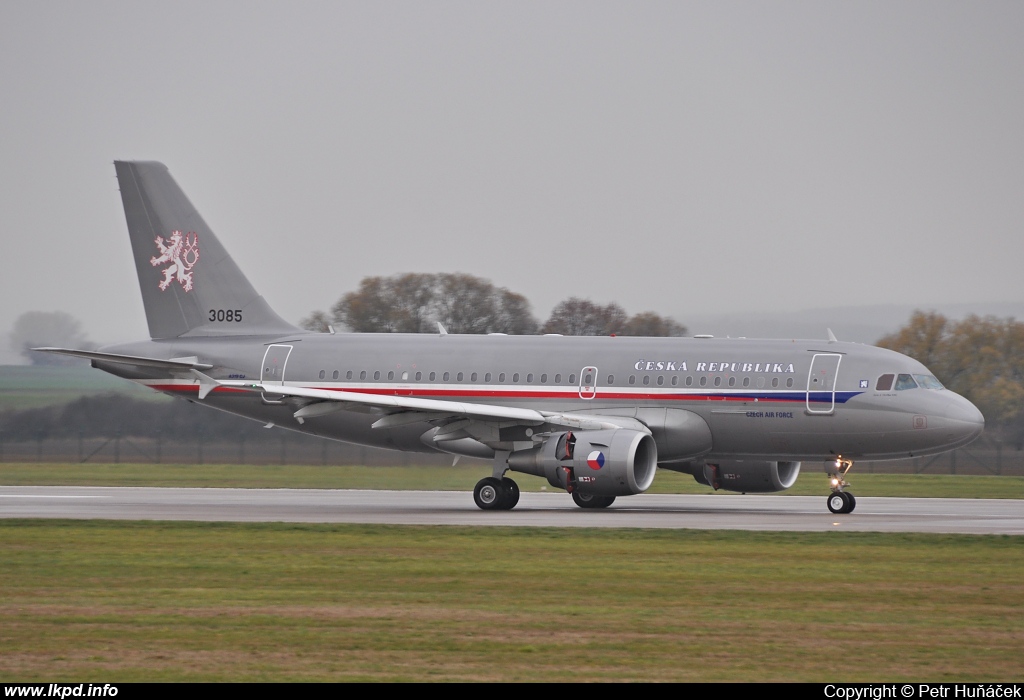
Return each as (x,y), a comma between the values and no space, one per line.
(106,602)
(812,481)
(28,386)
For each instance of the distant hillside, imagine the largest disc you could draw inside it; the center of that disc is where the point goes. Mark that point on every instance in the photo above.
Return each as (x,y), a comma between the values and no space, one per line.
(27,386)
(859,324)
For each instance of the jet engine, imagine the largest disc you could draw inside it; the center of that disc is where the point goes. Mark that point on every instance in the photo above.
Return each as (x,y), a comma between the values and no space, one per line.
(743,476)
(599,462)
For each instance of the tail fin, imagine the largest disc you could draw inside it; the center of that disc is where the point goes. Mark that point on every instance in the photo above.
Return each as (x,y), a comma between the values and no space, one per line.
(190,285)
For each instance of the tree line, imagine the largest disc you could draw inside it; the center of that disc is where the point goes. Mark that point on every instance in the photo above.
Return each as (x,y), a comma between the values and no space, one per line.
(981,359)
(416,302)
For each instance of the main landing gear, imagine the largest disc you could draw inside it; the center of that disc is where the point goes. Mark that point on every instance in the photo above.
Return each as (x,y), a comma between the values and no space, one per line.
(496,494)
(839,501)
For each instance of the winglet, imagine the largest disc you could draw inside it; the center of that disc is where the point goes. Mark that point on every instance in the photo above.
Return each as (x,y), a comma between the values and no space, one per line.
(832,336)
(441,329)
(206,383)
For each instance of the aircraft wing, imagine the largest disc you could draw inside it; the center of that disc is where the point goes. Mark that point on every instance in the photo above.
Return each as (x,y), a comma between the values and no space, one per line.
(424,409)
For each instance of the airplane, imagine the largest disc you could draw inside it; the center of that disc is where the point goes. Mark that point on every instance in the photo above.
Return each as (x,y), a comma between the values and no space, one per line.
(594,416)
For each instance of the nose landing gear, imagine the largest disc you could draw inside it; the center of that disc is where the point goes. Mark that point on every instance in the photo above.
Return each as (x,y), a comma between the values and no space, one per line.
(839,501)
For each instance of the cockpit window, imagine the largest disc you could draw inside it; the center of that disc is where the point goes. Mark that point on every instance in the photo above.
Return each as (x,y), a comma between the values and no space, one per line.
(885,382)
(927,381)
(905,381)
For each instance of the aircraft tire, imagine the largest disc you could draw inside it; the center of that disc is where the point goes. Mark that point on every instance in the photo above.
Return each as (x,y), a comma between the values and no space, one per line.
(490,494)
(836,502)
(511,493)
(851,502)
(586,500)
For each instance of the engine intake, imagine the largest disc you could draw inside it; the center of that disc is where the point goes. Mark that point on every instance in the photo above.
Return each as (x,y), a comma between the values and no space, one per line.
(745,476)
(600,462)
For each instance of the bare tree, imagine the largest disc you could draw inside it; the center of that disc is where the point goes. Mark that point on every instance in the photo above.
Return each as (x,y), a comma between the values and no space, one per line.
(576,316)
(317,321)
(35,329)
(412,302)
(650,324)
(512,314)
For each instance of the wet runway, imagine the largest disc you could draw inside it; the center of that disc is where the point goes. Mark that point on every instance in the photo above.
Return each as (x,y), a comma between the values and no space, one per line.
(717,512)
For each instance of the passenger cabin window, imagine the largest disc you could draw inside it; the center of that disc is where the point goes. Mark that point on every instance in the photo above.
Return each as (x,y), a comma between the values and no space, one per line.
(689,381)
(335,375)
(905,381)
(323,374)
(572,378)
(661,381)
(884,382)
(746,381)
(391,375)
(789,382)
(703,381)
(472,377)
(543,379)
(447,376)
(647,379)
(632,379)
(433,375)
(487,377)
(732,381)
(558,379)
(458,377)
(405,376)
(362,374)
(718,381)
(775,382)
(675,380)
(419,376)
(515,378)
(611,379)
(348,375)
(529,378)
(501,376)
(376,375)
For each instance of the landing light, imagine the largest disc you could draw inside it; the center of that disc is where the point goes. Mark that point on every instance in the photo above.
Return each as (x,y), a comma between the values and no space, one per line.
(835,482)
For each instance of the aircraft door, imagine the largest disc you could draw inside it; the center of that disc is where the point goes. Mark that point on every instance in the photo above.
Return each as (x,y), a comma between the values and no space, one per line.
(821,383)
(274,362)
(588,382)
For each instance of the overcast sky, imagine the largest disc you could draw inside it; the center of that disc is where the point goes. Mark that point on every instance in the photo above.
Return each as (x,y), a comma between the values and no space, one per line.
(682,157)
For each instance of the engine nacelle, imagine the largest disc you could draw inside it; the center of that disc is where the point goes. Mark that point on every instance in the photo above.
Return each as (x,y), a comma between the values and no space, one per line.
(600,462)
(746,476)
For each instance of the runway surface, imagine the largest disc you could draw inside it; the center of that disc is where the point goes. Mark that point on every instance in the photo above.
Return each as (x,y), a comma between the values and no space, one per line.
(716,512)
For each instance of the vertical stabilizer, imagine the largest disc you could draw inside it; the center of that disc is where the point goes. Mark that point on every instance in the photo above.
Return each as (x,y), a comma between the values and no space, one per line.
(190,284)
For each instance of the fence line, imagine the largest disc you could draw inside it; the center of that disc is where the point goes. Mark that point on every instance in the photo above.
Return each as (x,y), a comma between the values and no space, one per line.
(985,456)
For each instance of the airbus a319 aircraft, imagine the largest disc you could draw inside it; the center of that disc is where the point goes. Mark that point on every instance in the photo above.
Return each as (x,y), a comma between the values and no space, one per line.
(596,417)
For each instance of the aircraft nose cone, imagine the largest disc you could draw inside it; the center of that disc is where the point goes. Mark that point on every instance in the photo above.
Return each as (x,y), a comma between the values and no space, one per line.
(966,417)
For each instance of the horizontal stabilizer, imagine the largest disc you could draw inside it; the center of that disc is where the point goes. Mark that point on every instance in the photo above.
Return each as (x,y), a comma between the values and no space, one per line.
(181,363)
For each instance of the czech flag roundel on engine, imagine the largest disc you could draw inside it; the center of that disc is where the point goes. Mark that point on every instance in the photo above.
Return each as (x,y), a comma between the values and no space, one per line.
(595,460)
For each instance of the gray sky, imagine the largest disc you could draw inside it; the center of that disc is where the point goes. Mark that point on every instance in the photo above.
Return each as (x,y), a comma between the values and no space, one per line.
(683,157)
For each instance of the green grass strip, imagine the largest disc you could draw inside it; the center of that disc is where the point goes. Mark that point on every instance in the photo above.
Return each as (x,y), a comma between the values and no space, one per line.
(107,602)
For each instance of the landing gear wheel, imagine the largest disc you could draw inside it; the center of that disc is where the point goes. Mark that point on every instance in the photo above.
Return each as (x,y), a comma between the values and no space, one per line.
(511,493)
(587,500)
(490,494)
(841,502)
(836,502)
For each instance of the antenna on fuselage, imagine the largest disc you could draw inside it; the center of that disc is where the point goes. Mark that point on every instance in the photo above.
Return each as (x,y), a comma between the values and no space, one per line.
(440,329)
(831,336)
